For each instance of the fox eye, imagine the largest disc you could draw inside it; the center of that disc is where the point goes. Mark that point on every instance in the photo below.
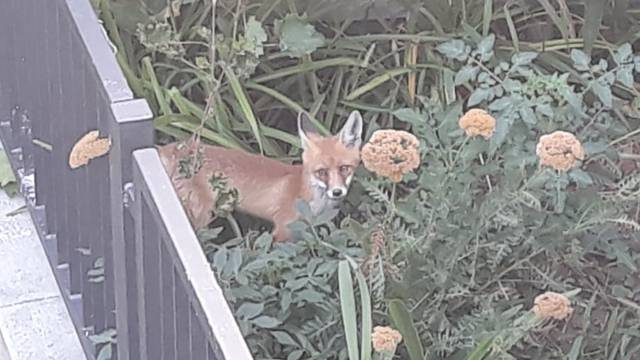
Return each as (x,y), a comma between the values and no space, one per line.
(345,169)
(322,173)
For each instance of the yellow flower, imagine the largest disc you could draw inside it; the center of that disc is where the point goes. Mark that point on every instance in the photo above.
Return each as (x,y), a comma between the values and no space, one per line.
(552,305)
(385,339)
(561,150)
(391,153)
(478,122)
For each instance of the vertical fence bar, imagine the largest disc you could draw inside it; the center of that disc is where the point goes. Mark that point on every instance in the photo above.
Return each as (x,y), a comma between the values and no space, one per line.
(131,129)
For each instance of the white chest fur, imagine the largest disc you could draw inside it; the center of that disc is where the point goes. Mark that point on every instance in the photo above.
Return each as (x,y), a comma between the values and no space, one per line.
(321,203)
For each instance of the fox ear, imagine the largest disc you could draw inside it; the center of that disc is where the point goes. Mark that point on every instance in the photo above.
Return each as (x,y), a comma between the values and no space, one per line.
(351,132)
(305,127)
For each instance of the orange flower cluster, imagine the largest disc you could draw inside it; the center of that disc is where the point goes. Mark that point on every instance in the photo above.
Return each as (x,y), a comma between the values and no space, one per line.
(478,122)
(561,150)
(391,153)
(385,339)
(552,305)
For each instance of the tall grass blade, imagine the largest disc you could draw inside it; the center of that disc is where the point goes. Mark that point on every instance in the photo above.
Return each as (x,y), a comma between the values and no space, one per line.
(560,23)
(306,67)
(367,322)
(158,90)
(487,17)
(375,82)
(593,13)
(482,350)
(348,307)
(404,322)
(288,102)
(245,106)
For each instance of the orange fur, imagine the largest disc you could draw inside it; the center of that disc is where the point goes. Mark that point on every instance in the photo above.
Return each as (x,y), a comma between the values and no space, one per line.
(268,188)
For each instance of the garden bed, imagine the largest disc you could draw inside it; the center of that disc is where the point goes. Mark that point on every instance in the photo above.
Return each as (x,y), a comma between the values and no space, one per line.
(455,253)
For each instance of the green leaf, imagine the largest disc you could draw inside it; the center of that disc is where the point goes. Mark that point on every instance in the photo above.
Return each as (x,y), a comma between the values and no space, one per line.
(256,35)
(465,74)
(295,355)
(624,54)
(375,82)
(106,352)
(6,173)
(478,96)
(245,105)
(482,350)
(266,322)
(580,60)
(603,93)
(348,309)
(625,76)
(527,115)
(249,310)
(576,349)
(523,58)
(367,322)
(580,177)
(454,49)
(297,36)
(503,125)
(284,338)
(403,321)
(485,47)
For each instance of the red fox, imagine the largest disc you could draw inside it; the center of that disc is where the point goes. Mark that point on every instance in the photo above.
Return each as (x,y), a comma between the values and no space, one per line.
(268,188)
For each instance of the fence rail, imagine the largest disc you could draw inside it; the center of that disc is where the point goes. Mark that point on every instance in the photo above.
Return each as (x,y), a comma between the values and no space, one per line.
(138,270)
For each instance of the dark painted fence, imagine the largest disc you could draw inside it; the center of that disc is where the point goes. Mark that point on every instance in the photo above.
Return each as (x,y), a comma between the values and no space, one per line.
(136,268)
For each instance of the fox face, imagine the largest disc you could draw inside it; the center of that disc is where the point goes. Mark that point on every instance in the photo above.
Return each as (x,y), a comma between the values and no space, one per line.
(329,162)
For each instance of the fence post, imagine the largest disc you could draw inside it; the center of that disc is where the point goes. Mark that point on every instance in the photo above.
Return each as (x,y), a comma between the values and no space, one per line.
(131,129)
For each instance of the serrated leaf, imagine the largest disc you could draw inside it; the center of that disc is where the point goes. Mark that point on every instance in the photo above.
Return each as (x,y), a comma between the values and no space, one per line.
(266,322)
(453,49)
(603,93)
(624,54)
(256,35)
(478,96)
(295,355)
(284,338)
(580,177)
(580,60)
(527,115)
(465,74)
(593,148)
(249,310)
(523,58)
(485,47)
(297,36)
(503,125)
(501,104)
(6,174)
(625,76)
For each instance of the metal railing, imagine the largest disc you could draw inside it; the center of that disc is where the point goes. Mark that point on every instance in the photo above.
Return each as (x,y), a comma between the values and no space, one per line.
(138,269)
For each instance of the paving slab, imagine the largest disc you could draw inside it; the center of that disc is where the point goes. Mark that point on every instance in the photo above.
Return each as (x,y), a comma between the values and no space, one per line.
(34,321)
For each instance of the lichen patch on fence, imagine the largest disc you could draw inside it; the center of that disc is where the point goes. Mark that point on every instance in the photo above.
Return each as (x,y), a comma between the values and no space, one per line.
(87,148)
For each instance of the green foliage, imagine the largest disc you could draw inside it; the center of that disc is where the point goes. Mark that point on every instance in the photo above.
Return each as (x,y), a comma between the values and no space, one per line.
(7,178)
(455,254)
(104,341)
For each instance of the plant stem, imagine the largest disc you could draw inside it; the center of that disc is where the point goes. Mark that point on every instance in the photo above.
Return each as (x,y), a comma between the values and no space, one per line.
(234,226)
(486,176)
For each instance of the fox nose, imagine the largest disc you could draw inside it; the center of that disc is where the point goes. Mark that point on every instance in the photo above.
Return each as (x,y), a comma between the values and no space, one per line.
(337,192)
